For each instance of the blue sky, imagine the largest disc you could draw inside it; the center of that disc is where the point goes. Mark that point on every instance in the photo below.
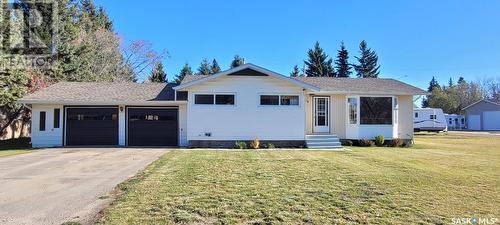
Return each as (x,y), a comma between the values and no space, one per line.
(415,40)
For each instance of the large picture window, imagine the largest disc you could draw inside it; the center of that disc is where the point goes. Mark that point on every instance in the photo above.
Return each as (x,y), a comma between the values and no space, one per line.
(376,110)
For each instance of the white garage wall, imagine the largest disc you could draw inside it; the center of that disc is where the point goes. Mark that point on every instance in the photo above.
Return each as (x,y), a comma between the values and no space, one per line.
(474,122)
(182,117)
(491,120)
(51,137)
(246,119)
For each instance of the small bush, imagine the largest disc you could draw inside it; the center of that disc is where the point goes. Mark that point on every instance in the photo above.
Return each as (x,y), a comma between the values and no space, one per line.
(255,144)
(366,143)
(348,143)
(270,146)
(396,143)
(379,140)
(241,145)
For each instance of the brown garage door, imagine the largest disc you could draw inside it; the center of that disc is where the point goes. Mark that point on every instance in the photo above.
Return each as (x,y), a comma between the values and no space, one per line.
(152,127)
(92,126)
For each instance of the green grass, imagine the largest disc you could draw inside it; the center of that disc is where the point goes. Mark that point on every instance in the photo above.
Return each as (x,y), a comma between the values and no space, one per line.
(442,177)
(13,152)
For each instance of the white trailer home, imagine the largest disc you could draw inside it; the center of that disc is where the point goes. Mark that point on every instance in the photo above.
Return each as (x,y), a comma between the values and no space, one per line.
(429,119)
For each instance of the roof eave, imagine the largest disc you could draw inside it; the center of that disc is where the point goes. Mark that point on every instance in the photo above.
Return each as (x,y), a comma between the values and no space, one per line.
(135,103)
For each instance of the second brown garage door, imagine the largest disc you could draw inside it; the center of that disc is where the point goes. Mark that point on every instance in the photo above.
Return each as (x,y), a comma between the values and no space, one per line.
(152,127)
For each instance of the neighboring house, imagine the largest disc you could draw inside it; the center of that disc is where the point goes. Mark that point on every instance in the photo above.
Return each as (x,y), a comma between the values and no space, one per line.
(455,122)
(243,103)
(483,115)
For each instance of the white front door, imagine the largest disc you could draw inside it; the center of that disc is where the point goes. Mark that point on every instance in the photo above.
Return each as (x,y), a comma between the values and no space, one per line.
(321,115)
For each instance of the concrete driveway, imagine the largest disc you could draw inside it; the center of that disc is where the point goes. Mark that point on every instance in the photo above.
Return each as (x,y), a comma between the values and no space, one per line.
(58,185)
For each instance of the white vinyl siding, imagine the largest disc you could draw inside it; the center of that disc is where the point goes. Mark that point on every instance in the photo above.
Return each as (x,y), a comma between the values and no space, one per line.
(50,137)
(247,119)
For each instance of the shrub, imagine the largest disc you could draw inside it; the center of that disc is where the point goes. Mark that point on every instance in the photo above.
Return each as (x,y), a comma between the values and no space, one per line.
(270,146)
(396,143)
(348,143)
(366,143)
(241,144)
(255,144)
(379,140)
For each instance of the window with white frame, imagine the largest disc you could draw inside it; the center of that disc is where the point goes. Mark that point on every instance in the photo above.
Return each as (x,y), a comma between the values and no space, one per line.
(395,110)
(376,110)
(279,100)
(353,110)
(211,99)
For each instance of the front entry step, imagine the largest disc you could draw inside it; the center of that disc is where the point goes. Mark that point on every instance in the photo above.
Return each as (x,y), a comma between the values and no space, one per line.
(323,141)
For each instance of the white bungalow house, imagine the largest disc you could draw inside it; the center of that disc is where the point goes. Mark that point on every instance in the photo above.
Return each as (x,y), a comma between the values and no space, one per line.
(243,103)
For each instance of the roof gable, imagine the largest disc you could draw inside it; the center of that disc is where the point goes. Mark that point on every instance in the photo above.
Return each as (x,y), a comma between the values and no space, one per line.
(240,71)
(247,72)
(482,100)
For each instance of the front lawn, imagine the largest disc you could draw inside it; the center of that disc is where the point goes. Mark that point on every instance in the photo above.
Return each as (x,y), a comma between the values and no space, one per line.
(442,177)
(13,152)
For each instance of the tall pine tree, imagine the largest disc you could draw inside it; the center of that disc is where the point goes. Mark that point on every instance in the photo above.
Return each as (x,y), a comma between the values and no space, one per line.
(368,62)
(318,64)
(214,68)
(295,72)
(342,62)
(204,68)
(237,61)
(433,85)
(158,75)
(186,70)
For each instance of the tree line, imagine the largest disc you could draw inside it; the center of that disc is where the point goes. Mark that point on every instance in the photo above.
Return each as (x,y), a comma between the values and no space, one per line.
(318,64)
(87,49)
(454,97)
(206,67)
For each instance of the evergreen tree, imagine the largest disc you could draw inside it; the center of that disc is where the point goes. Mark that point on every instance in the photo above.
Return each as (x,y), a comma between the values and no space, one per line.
(461,80)
(295,72)
(433,88)
(186,70)
(450,82)
(214,68)
(158,75)
(368,62)
(318,64)
(204,68)
(433,84)
(341,63)
(237,61)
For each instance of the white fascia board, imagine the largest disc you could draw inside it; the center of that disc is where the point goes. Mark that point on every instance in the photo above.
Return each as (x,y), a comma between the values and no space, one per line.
(363,93)
(135,103)
(253,67)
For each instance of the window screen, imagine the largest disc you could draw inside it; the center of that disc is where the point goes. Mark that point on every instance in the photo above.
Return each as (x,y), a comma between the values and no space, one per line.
(269,99)
(224,99)
(376,110)
(204,99)
(289,100)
